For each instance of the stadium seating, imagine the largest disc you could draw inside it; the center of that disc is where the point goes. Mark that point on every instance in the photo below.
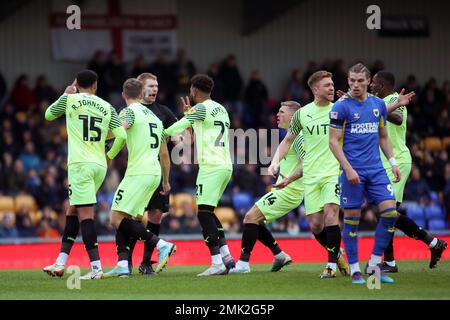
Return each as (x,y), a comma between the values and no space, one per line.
(415,211)
(432,143)
(226,216)
(433,212)
(179,198)
(242,202)
(434,197)
(6,204)
(25,200)
(437,225)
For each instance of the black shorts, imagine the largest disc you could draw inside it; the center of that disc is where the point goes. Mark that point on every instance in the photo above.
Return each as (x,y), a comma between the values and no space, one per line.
(158,201)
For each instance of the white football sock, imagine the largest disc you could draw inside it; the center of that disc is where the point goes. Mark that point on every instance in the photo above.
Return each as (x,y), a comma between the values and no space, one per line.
(354,267)
(62,259)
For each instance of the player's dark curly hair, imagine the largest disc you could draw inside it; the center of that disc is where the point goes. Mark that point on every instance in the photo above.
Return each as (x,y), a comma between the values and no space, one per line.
(203,82)
(86,78)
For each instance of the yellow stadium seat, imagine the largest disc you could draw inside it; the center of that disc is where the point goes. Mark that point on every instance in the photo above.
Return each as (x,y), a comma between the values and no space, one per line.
(180,198)
(432,143)
(225,215)
(6,204)
(25,200)
(445,142)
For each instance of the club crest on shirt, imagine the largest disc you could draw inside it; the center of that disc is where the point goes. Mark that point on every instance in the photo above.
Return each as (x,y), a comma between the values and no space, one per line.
(376,112)
(356,116)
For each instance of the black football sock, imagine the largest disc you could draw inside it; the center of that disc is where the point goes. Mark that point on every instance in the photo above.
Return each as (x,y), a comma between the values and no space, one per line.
(122,245)
(267,239)
(249,237)
(70,233)
(333,242)
(321,238)
(148,247)
(209,230)
(220,232)
(133,228)
(412,230)
(90,239)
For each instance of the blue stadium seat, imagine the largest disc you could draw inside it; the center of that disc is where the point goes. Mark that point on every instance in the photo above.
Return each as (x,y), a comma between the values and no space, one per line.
(242,202)
(434,197)
(415,211)
(303,224)
(436,225)
(433,212)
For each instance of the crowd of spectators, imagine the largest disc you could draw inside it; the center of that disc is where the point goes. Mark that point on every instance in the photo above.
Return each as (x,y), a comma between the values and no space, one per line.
(34,151)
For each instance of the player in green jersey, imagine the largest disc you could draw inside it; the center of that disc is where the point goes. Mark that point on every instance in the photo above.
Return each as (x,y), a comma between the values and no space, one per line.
(145,142)
(210,122)
(320,170)
(286,195)
(383,87)
(88,119)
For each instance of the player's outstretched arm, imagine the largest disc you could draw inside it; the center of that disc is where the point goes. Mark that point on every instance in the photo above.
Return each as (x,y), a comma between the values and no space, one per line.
(281,152)
(386,147)
(336,148)
(165,167)
(402,100)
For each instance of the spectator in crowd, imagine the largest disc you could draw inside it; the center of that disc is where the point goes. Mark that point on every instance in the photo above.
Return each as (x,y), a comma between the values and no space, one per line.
(30,158)
(255,97)
(190,221)
(50,193)
(3,89)
(44,91)
(9,144)
(417,188)
(183,70)
(447,190)
(171,224)
(7,227)
(22,96)
(166,80)
(140,66)
(231,79)
(217,93)
(102,222)
(246,179)
(310,69)
(16,182)
(115,76)
(25,224)
(99,64)
(294,90)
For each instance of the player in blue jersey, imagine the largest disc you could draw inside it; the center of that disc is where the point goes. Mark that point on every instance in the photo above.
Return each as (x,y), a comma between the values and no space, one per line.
(357,131)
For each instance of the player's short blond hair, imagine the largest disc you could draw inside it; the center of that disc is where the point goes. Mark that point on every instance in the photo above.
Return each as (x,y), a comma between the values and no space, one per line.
(292,105)
(133,88)
(317,76)
(145,76)
(360,68)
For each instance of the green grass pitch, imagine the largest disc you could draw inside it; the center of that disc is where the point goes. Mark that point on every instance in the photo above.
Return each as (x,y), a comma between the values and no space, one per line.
(297,281)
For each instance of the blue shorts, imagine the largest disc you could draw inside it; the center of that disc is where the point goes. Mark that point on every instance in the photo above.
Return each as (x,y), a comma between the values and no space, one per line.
(374,184)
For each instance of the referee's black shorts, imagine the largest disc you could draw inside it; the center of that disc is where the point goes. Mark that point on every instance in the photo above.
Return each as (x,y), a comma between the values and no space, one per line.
(158,201)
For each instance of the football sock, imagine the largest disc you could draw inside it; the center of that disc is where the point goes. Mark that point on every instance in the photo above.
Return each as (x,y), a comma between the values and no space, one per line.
(133,228)
(321,238)
(209,230)
(62,259)
(332,265)
(412,230)
(267,239)
(433,243)
(70,234)
(121,246)
(374,260)
(354,267)
(216,259)
(389,251)
(90,239)
(249,237)
(384,232)
(333,243)
(130,248)
(220,232)
(350,236)
(148,247)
